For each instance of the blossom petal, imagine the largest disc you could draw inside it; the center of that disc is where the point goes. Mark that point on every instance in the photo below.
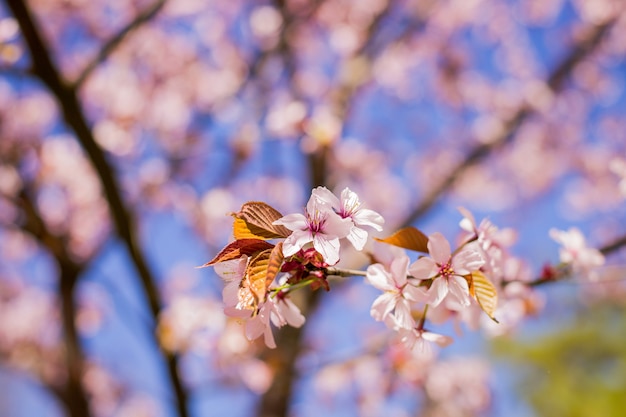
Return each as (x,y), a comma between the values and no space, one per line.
(255,327)
(324,195)
(296,241)
(403,315)
(232,311)
(392,323)
(315,205)
(469,259)
(379,277)
(327,246)
(383,305)
(296,221)
(438,291)
(439,248)
(408,337)
(399,270)
(290,312)
(423,268)
(358,237)
(459,288)
(260,325)
(439,339)
(334,225)
(268,338)
(367,217)
(423,347)
(468,223)
(349,199)
(415,294)
(230,293)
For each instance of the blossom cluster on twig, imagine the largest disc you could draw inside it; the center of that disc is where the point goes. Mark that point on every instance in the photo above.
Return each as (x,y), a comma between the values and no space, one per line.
(479,283)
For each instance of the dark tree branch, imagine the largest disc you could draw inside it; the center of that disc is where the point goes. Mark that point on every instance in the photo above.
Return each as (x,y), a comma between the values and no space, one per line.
(45,69)
(555,81)
(73,393)
(145,16)
(276,401)
(613,246)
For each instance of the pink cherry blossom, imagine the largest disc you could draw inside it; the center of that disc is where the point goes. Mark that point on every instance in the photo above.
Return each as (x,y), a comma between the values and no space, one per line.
(492,241)
(447,270)
(351,207)
(421,340)
(232,273)
(278,310)
(319,225)
(259,325)
(459,386)
(618,167)
(576,252)
(398,292)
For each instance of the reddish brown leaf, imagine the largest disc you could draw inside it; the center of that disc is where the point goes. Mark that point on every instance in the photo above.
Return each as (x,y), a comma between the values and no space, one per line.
(238,248)
(409,238)
(253,286)
(258,218)
(275,262)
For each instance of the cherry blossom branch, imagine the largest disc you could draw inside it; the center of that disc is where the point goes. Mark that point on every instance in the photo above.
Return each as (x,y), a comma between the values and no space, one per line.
(563,271)
(105,51)
(73,395)
(613,246)
(555,82)
(422,322)
(275,402)
(47,72)
(341,272)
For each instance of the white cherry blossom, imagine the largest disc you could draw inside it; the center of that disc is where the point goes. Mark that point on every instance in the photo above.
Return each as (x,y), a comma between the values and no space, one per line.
(446,270)
(351,207)
(319,225)
(398,292)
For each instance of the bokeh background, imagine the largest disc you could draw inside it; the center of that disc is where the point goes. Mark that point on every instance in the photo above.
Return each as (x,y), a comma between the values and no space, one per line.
(129,129)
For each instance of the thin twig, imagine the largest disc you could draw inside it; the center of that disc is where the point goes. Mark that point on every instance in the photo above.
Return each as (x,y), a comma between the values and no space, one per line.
(148,14)
(342,272)
(613,246)
(276,401)
(555,81)
(73,394)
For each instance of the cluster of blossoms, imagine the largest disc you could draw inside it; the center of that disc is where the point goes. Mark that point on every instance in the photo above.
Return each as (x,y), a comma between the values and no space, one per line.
(473,284)
(260,276)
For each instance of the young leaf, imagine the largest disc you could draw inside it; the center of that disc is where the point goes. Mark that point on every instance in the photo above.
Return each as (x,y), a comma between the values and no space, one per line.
(275,262)
(238,248)
(408,238)
(241,230)
(483,290)
(253,286)
(258,218)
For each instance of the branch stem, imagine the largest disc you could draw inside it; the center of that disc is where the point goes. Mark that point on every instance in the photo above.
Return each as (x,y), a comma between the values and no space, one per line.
(73,114)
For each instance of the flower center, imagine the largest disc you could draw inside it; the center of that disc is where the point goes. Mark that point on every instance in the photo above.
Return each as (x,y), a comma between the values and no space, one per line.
(316,221)
(446,270)
(349,206)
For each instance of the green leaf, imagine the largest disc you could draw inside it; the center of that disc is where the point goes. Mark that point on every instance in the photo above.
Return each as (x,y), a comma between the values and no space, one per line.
(408,238)
(257,220)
